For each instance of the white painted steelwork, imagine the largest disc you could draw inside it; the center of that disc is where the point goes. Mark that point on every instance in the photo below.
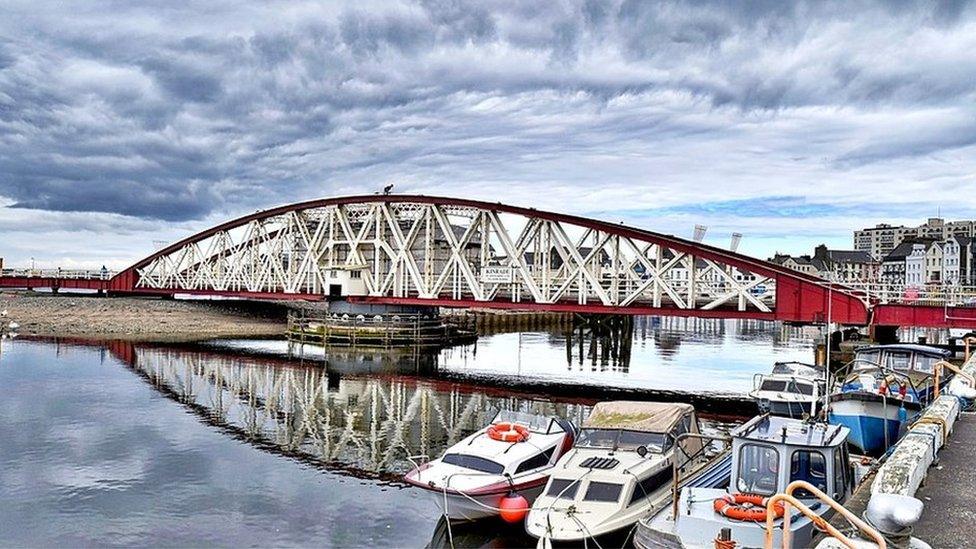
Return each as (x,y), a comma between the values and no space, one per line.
(430,250)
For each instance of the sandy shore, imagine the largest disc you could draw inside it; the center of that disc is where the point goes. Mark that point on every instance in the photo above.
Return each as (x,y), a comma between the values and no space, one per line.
(141,319)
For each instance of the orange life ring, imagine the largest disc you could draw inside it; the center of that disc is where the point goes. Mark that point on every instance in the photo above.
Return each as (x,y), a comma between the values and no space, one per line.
(750,507)
(508,432)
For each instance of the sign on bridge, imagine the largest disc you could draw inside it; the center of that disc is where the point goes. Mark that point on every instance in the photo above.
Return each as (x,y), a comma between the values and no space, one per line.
(497,274)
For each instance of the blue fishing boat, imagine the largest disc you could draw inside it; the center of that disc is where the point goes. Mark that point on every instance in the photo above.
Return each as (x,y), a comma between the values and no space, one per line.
(882,391)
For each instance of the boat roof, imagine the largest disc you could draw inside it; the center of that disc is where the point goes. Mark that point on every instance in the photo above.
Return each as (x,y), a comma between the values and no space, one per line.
(656,417)
(798,369)
(908,347)
(771,429)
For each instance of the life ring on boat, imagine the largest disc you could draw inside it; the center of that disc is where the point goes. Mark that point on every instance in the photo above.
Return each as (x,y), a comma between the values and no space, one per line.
(508,432)
(749,507)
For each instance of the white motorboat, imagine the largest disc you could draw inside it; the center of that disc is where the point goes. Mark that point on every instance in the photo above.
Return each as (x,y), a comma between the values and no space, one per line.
(792,389)
(620,468)
(513,455)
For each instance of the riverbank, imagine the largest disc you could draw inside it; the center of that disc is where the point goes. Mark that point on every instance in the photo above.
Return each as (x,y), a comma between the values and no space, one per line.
(141,319)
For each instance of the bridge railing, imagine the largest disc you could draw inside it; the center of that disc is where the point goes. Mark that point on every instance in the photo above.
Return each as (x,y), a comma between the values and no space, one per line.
(953,296)
(74,274)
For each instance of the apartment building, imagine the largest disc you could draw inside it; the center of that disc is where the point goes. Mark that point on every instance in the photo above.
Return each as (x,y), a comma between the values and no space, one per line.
(882,239)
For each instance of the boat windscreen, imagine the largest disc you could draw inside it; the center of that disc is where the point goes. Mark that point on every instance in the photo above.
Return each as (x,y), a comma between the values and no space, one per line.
(475,463)
(898,361)
(535,422)
(786,386)
(623,439)
(563,488)
(603,491)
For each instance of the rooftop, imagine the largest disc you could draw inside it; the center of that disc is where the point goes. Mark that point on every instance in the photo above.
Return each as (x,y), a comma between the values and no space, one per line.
(909,347)
(784,430)
(850,256)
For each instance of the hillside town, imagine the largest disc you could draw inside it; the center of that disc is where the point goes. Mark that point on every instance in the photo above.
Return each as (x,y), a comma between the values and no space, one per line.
(935,253)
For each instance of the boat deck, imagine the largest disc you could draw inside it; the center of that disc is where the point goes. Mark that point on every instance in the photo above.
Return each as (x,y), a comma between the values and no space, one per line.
(949,514)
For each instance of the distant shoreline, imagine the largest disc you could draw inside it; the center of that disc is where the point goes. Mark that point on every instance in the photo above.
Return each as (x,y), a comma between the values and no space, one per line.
(141,319)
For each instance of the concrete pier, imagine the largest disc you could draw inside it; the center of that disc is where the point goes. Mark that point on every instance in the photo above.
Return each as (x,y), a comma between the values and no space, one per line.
(950,515)
(934,463)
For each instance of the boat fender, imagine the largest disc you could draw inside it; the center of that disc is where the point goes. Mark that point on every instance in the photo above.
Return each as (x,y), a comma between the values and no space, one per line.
(513,508)
(745,507)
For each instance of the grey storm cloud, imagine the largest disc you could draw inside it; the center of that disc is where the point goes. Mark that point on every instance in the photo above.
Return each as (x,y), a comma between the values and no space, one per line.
(195,109)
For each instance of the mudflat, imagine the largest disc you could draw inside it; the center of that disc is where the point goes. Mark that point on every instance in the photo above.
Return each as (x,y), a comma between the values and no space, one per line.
(141,318)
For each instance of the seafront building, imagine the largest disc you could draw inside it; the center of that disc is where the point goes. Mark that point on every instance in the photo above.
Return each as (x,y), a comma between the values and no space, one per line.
(882,239)
(916,261)
(836,265)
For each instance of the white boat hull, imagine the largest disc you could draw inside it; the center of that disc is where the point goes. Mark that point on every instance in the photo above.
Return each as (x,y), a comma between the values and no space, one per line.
(461,507)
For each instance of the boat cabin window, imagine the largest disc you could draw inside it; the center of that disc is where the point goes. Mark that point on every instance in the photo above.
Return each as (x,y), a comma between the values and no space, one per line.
(874,357)
(563,488)
(784,386)
(925,364)
(802,388)
(474,462)
(646,487)
(840,473)
(623,439)
(758,469)
(603,491)
(536,461)
(810,466)
(898,361)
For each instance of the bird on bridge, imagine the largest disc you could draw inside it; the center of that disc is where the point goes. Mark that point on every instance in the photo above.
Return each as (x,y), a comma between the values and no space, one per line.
(388,189)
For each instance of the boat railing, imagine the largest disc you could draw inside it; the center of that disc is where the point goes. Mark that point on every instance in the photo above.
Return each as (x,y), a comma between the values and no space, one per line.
(676,468)
(787,499)
(846,370)
(966,341)
(940,365)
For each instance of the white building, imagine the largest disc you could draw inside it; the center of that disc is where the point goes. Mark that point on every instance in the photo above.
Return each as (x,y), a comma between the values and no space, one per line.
(915,266)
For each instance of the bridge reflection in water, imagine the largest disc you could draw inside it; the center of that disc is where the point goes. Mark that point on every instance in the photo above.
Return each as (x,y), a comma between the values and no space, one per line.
(363,425)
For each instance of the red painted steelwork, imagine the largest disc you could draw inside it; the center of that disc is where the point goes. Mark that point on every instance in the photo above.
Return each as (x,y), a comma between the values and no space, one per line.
(929,316)
(31,282)
(565,307)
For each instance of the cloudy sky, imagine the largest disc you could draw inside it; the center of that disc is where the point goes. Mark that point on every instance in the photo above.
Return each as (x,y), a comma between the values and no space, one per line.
(792,123)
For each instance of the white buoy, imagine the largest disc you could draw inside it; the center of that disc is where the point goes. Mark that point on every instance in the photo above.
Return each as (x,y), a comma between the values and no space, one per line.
(13,325)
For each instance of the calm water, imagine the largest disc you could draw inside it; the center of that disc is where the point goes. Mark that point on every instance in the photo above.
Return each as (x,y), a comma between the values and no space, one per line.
(136,444)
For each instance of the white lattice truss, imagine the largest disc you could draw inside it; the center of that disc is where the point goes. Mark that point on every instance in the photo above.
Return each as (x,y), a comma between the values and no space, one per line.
(445,252)
(369,424)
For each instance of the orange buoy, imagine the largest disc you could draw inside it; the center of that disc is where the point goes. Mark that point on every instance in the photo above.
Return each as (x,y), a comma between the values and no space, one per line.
(751,507)
(513,508)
